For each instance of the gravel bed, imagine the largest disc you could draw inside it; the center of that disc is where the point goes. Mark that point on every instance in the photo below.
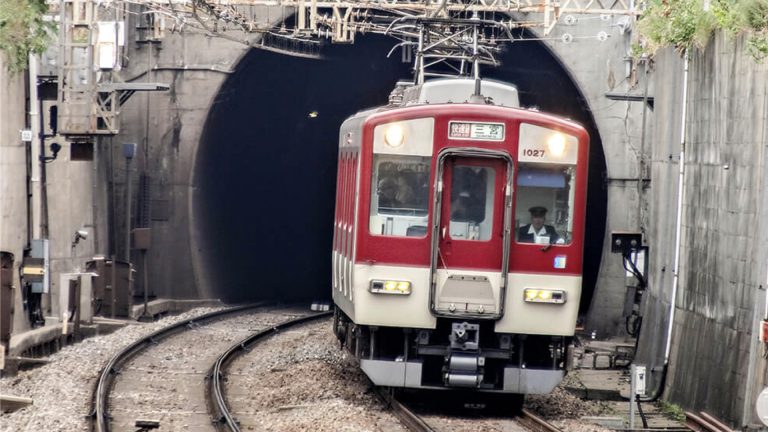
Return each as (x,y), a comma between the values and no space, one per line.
(301,380)
(62,389)
(167,382)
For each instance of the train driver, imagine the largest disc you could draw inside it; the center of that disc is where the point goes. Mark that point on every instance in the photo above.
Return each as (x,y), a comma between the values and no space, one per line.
(537,231)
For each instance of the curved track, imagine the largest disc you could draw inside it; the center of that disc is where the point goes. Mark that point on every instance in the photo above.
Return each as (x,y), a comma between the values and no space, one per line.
(163,383)
(217,401)
(170,384)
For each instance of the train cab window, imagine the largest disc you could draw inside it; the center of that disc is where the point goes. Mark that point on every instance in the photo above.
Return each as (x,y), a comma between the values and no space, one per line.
(472,203)
(400,196)
(544,204)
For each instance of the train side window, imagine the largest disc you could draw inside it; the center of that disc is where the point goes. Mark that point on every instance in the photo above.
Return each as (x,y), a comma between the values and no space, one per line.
(400,196)
(472,203)
(544,191)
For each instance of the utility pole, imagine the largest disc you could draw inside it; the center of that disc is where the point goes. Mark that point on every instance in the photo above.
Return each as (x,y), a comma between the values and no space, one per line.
(129,152)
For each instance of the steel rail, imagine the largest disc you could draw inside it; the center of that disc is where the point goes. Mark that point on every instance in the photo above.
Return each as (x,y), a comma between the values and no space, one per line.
(703,422)
(100,413)
(217,403)
(535,423)
(412,421)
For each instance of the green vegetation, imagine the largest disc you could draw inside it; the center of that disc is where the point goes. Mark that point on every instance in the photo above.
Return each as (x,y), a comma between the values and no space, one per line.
(684,24)
(23,30)
(672,411)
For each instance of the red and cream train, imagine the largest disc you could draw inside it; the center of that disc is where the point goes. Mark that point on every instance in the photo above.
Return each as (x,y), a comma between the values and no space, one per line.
(436,282)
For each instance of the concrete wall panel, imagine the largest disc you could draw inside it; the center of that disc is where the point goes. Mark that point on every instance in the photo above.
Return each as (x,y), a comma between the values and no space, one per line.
(13,200)
(714,364)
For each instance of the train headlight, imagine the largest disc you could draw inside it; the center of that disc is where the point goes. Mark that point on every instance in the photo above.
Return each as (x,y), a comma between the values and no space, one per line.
(536,295)
(394,136)
(390,287)
(556,144)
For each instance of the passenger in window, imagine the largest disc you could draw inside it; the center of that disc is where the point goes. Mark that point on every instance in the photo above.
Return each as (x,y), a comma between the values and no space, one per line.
(395,193)
(460,207)
(538,232)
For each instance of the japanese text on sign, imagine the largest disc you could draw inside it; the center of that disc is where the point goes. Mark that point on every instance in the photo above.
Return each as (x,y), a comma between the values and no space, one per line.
(476,131)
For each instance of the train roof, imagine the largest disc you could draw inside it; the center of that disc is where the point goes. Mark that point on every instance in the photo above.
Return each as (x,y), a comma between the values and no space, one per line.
(460,90)
(444,91)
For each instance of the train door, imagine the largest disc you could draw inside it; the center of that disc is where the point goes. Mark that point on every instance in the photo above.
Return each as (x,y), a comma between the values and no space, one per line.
(471,233)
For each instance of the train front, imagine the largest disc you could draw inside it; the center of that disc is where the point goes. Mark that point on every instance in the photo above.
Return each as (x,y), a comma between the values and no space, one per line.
(458,263)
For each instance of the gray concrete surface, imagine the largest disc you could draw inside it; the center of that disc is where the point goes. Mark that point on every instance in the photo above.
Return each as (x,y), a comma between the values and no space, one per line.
(716,363)
(13,200)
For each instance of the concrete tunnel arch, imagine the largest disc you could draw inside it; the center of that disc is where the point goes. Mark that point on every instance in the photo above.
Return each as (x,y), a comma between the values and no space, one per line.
(265,167)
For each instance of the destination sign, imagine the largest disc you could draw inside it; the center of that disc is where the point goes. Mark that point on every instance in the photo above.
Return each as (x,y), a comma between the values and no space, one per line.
(476,131)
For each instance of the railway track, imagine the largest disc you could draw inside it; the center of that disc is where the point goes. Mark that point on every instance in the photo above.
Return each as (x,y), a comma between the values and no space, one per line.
(535,423)
(216,399)
(162,376)
(199,383)
(526,420)
(412,421)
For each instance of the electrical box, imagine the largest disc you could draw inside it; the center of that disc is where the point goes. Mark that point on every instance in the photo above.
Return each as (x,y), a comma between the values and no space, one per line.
(626,242)
(112,287)
(141,238)
(640,378)
(34,268)
(6,297)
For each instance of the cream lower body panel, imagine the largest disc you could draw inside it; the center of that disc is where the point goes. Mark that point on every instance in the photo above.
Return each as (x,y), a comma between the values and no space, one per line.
(413,311)
(522,317)
(392,310)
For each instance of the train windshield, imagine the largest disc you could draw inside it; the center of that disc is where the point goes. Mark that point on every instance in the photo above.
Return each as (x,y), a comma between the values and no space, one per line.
(544,206)
(472,203)
(400,196)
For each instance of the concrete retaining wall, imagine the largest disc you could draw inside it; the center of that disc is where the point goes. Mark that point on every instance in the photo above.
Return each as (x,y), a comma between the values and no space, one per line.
(714,363)
(13,200)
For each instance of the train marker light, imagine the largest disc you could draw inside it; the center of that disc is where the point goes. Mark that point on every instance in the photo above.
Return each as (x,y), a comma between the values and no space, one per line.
(394,136)
(535,295)
(556,144)
(390,287)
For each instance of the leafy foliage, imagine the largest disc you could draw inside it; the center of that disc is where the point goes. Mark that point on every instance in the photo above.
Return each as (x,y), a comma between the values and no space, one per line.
(684,24)
(23,30)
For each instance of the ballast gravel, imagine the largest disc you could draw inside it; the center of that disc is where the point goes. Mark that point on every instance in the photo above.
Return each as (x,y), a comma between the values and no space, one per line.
(298,381)
(61,390)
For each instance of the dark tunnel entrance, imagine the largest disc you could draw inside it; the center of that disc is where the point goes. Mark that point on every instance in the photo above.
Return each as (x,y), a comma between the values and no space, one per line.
(267,161)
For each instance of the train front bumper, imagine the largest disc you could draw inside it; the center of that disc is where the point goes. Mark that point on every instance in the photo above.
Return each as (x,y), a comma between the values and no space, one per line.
(390,373)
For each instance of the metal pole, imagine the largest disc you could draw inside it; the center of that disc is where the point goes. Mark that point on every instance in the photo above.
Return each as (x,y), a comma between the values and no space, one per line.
(145,316)
(632,392)
(129,151)
(476,62)
(128,181)
(34,151)
(420,59)
(112,297)
(679,219)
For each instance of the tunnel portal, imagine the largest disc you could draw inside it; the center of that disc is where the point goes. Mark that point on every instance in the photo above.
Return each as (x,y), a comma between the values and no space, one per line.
(267,161)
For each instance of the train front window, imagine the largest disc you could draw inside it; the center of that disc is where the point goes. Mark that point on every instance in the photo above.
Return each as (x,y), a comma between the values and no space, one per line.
(400,196)
(544,205)
(472,203)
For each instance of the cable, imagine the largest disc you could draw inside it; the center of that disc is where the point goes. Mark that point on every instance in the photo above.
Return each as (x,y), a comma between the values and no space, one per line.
(633,329)
(640,410)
